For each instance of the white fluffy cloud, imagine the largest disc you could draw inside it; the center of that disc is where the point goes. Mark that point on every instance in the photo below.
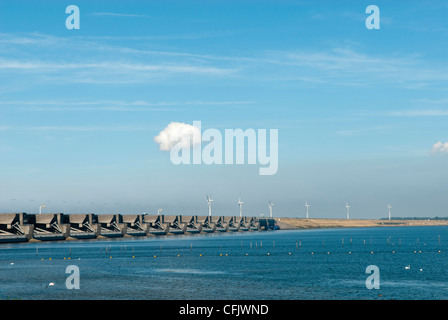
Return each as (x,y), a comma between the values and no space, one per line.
(439,147)
(176,132)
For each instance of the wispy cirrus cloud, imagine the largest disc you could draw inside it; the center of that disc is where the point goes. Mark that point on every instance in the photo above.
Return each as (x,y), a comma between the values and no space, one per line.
(115,105)
(407,113)
(419,113)
(422,112)
(107,62)
(108,72)
(96,62)
(123,67)
(363,131)
(125,15)
(76,128)
(356,68)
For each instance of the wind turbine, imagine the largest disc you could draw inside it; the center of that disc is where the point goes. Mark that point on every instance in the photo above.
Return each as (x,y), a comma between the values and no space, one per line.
(307,206)
(42,206)
(209,201)
(388,209)
(270,204)
(158,211)
(240,203)
(348,210)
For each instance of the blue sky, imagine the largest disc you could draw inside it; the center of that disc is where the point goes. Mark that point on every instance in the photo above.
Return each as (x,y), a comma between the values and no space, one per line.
(357,110)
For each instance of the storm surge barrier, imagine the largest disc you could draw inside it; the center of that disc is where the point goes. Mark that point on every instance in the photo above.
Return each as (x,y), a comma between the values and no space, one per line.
(23,227)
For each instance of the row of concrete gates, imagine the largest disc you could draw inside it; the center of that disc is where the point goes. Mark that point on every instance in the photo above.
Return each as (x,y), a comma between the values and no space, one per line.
(22,227)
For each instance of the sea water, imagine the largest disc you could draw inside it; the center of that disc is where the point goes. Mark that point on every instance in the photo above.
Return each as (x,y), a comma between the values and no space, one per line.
(265,265)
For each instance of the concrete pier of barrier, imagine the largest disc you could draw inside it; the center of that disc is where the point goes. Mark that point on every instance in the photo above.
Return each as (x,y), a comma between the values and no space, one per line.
(135,226)
(244,224)
(111,225)
(13,229)
(175,224)
(193,224)
(208,226)
(254,224)
(82,225)
(234,224)
(156,224)
(222,224)
(48,226)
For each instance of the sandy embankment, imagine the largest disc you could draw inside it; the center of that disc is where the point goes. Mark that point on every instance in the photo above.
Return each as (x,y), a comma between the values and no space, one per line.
(297,223)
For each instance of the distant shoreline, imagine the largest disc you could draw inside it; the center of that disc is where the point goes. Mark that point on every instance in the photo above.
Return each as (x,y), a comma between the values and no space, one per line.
(323,223)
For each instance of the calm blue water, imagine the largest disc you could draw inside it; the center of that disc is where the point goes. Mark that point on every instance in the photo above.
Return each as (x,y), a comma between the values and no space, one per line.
(299,264)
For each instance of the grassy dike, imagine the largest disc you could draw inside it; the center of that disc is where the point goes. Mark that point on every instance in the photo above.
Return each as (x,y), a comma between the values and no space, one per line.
(298,223)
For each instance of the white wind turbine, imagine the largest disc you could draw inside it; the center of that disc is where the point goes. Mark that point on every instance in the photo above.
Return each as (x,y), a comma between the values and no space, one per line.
(307,206)
(270,204)
(240,203)
(388,209)
(209,201)
(348,210)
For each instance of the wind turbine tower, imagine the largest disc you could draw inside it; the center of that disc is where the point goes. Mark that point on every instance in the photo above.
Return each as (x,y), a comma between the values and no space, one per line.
(270,204)
(388,209)
(307,206)
(209,201)
(348,210)
(240,203)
